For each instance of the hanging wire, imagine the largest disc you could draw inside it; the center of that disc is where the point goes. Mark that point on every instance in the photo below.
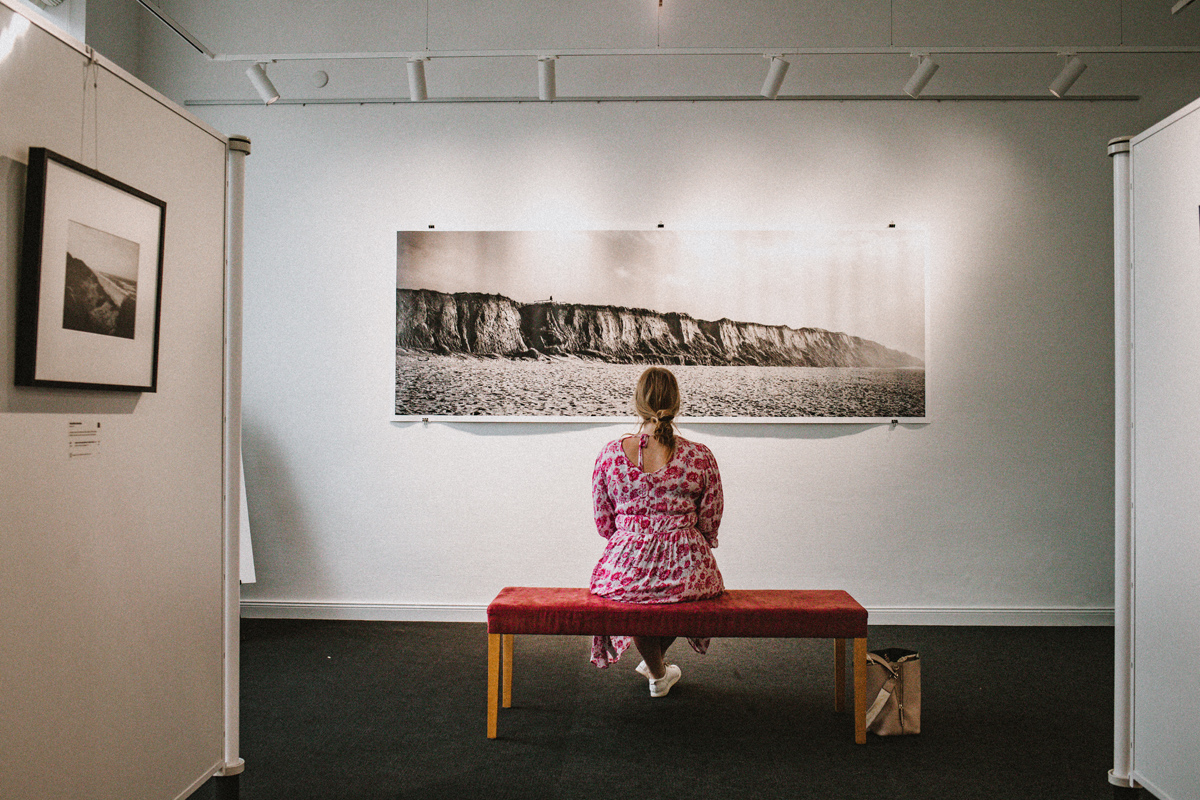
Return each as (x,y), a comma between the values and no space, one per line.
(91,74)
(83,108)
(95,114)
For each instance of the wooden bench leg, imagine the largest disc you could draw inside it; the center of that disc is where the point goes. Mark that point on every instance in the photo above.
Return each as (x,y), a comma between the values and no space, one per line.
(839,674)
(860,691)
(493,683)
(507,649)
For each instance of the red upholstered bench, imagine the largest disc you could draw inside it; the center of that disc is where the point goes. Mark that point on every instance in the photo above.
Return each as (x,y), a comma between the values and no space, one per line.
(781,613)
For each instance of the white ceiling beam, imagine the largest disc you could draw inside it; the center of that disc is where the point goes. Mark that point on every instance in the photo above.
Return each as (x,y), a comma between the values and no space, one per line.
(568,52)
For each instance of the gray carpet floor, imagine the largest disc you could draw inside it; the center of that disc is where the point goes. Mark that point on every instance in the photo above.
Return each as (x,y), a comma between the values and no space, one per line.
(397,710)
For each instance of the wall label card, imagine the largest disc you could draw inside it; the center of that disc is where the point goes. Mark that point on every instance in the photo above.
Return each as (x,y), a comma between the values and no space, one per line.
(83,439)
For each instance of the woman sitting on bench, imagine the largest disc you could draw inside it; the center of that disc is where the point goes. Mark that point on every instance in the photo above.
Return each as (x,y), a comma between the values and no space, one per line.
(657,500)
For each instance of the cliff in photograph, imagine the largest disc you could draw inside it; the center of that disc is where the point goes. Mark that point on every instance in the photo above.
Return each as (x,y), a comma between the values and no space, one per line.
(493,325)
(96,302)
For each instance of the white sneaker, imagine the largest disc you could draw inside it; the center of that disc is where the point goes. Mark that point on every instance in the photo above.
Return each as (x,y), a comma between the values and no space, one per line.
(660,686)
(643,670)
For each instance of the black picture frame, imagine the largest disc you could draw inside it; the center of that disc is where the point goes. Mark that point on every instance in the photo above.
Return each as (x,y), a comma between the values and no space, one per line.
(93,246)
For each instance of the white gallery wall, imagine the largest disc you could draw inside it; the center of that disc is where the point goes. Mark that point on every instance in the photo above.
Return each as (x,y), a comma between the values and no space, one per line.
(1000,510)
(1165,192)
(111,584)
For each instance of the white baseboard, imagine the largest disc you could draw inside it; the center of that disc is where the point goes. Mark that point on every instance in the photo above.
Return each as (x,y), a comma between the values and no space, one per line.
(1068,617)
(386,612)
(448,612)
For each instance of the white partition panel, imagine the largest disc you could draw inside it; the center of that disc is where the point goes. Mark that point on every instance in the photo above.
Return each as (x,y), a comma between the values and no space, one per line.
(1166,466)
(111,566)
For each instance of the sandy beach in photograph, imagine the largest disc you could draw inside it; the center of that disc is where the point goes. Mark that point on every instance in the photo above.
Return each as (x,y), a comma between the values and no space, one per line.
(455,385)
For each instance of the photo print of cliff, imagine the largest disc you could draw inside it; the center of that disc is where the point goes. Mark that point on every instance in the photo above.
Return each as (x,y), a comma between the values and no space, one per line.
(820,325)
(100,293)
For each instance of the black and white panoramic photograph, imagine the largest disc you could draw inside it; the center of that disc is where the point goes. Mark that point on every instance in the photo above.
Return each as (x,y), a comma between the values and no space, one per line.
(100,290)
(809,325)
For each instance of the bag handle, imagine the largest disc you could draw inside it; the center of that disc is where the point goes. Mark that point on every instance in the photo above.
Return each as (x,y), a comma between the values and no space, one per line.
(881,699)
(883,661)
(886,690)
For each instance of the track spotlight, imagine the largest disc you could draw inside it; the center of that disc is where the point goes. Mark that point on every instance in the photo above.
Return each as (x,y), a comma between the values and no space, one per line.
(1070,73)
(778,68)
(925,69)
(416,80)
(262,84)
(546,90)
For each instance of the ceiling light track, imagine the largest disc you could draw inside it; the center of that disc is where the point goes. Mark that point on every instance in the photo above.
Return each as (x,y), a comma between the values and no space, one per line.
(183,32)
(547,91)
(711,51)
(975,98)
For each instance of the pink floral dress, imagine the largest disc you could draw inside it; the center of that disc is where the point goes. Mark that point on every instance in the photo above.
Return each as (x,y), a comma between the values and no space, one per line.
(661,529)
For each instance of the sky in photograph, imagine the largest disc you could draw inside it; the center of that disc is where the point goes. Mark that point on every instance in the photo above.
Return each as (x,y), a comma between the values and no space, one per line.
(102,251)
(868,283)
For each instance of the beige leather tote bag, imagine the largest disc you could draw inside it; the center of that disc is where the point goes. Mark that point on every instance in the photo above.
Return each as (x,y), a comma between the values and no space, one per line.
(894,691)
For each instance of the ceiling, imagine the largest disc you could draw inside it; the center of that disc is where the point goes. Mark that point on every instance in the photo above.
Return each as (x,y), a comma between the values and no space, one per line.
(488,49)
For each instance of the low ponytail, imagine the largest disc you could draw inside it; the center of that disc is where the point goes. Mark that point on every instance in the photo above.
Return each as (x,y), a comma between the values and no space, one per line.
(664,430)
(657,402)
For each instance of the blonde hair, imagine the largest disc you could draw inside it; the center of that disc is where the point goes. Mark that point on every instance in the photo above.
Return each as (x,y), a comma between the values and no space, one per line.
(657,401)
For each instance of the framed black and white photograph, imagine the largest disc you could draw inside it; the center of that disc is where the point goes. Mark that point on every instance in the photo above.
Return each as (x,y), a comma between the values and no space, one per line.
(91,273)
(822,325)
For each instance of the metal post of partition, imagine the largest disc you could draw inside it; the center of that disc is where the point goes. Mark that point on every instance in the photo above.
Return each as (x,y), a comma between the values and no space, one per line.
(239,148)
(1119,149)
